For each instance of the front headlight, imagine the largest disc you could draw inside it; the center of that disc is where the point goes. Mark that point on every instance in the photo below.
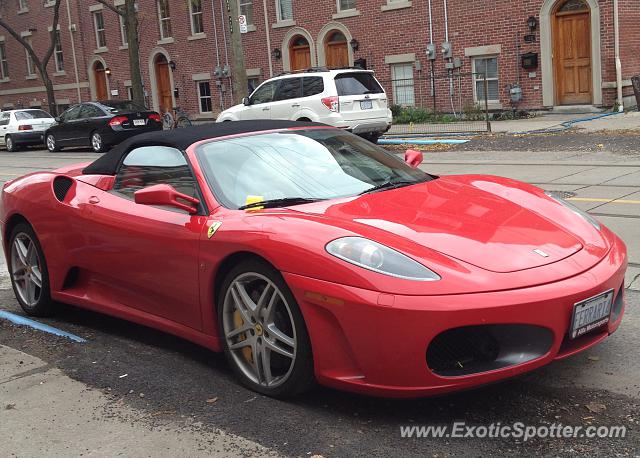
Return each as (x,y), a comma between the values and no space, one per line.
(583,214)
(379,258)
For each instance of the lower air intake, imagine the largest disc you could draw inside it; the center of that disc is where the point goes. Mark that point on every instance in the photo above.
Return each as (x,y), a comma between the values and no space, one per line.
(473,349)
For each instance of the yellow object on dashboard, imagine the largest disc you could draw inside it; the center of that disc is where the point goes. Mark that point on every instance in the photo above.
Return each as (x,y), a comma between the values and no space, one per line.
(253,199)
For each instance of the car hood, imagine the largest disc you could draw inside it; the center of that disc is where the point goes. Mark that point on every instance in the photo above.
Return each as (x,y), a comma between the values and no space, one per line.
(461,221)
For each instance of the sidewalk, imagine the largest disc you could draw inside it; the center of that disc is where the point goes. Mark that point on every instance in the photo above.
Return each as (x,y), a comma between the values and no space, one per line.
(618,122)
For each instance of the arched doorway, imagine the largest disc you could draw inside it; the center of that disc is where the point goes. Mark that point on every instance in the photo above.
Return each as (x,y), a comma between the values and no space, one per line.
(100,81)
(336,50)
(572,61)
(163,83)
(299,53)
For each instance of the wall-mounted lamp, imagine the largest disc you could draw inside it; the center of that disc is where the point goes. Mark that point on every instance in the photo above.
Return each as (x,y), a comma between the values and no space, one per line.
(354,44)
(276,53)
(107,71)
(172,65)
(532,22)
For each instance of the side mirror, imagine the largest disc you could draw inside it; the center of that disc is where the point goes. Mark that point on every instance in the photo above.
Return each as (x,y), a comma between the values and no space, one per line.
(413,158)
(164,194)
(57,119)
(246,101)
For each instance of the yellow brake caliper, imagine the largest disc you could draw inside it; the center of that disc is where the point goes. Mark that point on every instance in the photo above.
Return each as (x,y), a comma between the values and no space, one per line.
(246,351)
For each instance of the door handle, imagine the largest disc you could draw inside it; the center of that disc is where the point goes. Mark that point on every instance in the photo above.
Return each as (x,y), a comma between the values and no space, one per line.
(295,105)
(94,200)
(266,109)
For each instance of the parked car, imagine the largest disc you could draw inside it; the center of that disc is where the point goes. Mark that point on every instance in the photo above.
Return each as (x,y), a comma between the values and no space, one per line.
(349,99)
(23,127)
(100,125)
(305,252)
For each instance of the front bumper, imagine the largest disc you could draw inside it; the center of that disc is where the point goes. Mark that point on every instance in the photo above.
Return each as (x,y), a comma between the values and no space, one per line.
(375,343)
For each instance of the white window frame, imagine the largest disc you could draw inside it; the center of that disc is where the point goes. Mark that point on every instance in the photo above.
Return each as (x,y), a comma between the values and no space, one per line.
(340,9)
(245,3)
(23,6)
(31,65)
(192,16)
(99,32)
(162,20)
(58,53)
(4,63)
(123,31)
(400,85)
(200,97)
(476,80)
(279,11)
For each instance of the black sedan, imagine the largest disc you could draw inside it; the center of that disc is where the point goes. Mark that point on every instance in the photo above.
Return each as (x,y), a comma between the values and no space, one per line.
(100,125)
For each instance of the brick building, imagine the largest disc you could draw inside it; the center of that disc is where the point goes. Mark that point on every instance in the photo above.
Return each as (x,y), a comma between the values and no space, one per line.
(185,53)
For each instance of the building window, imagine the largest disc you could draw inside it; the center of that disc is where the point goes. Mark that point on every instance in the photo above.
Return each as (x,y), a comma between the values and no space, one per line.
(23,5)
(285,10)
(488,66)
(402,84)
(129,92)
(195,11)
(58,53)
(165,19)
(344,5)
(123,31)
(252,83)
(204,95)
(246,9)
(31,66)
(4,65)
(101,36)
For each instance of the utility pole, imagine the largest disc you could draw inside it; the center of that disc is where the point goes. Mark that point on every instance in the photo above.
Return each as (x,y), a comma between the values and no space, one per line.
(238,72)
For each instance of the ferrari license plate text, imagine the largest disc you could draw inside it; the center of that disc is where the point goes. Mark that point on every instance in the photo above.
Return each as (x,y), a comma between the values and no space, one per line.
(591,314)
(139,122)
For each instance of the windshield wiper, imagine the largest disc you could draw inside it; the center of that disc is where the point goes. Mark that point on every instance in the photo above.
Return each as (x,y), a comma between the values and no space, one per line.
(284,202)
(389,184)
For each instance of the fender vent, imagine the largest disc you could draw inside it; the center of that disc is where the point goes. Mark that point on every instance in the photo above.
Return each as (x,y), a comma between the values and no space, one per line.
(61,186)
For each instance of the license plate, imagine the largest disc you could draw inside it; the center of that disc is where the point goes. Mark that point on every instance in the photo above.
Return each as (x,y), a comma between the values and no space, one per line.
(366,104)
(591,314)
(139,122)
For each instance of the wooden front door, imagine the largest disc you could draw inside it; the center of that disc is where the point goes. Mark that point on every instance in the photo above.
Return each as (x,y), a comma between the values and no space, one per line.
(100,78)
(163,84)
(572,56)
(299,53)
(336,51)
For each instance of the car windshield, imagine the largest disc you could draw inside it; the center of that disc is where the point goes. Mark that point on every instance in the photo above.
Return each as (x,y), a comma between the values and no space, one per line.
(300,164)
(31,114)
(122,106)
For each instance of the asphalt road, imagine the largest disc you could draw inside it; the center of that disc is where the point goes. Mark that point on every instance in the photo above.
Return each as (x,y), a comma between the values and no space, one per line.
(65,398)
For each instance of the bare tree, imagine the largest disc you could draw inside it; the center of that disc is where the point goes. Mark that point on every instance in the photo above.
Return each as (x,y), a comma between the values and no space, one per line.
(7,6)
(129,15)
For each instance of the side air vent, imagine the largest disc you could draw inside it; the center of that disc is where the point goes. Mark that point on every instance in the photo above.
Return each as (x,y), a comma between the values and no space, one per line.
(61,186)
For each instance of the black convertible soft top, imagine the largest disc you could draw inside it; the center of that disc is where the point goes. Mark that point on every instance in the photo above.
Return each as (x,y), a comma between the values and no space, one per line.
(183,138)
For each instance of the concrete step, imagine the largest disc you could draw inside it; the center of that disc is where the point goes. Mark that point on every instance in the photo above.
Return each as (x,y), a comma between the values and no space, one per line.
(576,109)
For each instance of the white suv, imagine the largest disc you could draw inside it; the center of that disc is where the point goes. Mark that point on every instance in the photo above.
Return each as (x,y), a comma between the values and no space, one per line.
(349,99)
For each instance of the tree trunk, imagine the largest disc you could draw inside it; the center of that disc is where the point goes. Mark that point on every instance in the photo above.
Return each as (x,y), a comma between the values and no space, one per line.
(51,96)
(131,24)
(238,72)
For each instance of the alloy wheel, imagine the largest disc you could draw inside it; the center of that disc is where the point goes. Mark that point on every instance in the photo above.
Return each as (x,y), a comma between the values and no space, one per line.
(51,142)
(26,269)
(96,142)
(8,143)
(259,329)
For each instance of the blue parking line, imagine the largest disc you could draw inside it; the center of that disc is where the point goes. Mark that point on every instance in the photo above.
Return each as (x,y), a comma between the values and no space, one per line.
(23,321)
(417,141)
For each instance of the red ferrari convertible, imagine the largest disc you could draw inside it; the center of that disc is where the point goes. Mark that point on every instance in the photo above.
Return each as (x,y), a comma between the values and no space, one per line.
(306,253)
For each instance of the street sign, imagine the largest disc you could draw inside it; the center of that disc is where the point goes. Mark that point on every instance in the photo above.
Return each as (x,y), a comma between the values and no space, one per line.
(242,20)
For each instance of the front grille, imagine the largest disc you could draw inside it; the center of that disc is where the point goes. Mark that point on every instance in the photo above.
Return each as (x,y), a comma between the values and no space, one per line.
(61,186)
(473,349)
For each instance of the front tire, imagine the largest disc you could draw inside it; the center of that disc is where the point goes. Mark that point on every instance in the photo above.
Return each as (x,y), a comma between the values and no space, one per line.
(10,144)
(28,270)
(52,144)
(97,143)
(263,332)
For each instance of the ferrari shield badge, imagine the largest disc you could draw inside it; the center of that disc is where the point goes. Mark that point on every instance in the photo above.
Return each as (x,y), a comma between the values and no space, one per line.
(213,228)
